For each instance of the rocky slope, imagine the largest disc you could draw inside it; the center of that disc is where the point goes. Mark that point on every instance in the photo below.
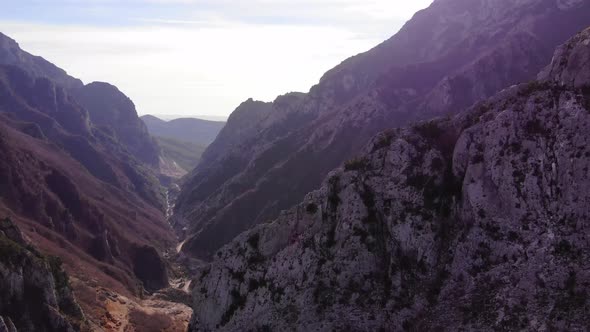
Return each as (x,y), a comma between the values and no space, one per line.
(476,222)
(35,290)
(108,108)
(53,115)
(78,193)
(12,54)
(447,57)
(102,232)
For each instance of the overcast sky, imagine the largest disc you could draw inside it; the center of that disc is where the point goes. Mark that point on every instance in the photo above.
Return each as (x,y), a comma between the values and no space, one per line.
(201,57)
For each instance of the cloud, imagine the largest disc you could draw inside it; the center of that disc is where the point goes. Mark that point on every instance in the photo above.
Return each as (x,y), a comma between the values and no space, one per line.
(215,54)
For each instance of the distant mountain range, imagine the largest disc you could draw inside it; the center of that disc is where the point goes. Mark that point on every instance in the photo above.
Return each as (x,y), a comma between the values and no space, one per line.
(197,131)
(183,140)
(169,117)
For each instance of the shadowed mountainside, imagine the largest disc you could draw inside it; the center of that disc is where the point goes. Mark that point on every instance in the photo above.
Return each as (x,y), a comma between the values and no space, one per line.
(109,109)
(81,191)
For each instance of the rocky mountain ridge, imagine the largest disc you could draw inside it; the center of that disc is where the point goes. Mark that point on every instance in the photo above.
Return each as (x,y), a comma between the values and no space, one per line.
(107,107)
(475,222)
(81,191)
(447,57)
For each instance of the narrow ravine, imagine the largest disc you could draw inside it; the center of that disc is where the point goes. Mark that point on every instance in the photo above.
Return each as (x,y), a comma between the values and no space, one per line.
(182,280)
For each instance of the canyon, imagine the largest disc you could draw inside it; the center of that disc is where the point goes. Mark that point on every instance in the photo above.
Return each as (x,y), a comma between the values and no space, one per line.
(438,181)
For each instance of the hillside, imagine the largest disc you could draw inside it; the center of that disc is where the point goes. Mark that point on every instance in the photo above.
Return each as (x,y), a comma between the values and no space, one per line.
(445,58)
(196,131)
(476,222)
(77,191)
(187,155)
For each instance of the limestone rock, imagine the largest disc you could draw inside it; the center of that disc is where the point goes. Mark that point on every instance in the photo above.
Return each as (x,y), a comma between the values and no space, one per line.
(475,222)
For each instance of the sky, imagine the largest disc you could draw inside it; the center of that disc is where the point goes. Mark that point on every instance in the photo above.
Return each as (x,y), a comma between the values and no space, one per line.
(202,57)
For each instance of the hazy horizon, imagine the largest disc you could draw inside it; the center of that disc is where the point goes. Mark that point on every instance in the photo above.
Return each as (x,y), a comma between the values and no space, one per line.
(202,58)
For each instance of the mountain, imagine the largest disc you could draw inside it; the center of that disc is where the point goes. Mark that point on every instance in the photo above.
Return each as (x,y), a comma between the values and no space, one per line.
(476,222)
(169,117)
(196,131)
(36,292)
(182,141)
(12,54)
(447,57)
(108,108)
(82,191)
(185,154)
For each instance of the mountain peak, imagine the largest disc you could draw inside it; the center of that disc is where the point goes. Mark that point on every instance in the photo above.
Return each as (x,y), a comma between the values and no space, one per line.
(570,65)
(12,54)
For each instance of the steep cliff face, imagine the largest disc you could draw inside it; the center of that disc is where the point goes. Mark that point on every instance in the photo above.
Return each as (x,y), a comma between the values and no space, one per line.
(48,107)
(105,105)
(35,290)
(108,107)
(74,214)
(447,57)
(476,222)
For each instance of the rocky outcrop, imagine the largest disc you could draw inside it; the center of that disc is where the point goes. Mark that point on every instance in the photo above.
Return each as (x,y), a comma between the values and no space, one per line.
(476,222)
(149,267)
(570,65)
(110,108)
(35,290)
(447,57)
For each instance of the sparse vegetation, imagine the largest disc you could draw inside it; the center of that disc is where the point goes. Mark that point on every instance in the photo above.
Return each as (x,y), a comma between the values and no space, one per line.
(311,208)
(384,141)
(238,302)
(253,240)
(334,190)
(185,154)
(357,164)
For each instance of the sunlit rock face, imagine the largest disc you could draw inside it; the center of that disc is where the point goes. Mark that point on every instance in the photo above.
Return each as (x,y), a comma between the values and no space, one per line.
(446,58)
(475,222)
